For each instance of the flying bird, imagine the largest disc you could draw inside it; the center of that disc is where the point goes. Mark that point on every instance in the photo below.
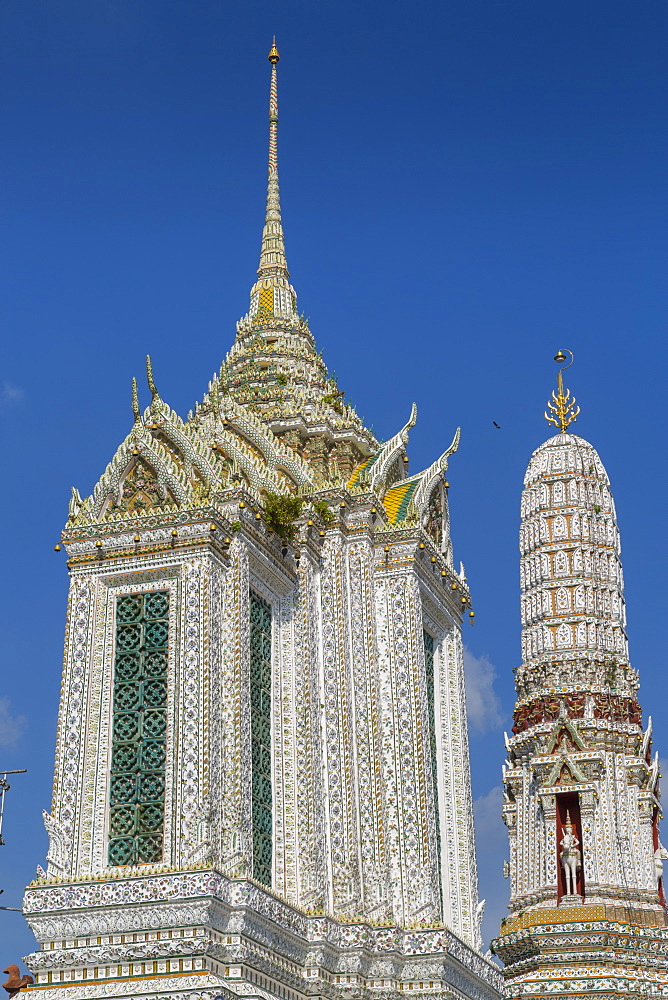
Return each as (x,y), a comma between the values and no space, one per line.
(15,981)
(498,426)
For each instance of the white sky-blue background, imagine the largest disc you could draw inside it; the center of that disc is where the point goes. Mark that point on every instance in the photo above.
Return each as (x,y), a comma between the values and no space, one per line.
(466,188)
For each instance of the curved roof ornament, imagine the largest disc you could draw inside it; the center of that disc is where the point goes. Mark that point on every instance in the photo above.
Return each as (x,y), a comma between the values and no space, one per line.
(157,410)
(435,473)
(149,378)
(390,450)
(135,402)
(75,504)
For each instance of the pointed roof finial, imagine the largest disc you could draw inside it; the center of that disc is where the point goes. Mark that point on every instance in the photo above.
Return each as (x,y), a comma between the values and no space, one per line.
(272,299)
(214,397)
(149,377)
(273,262)
(562,407)
(135,401)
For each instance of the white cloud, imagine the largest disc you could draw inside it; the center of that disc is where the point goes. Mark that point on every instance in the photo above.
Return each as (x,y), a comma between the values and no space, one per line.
(488,823)
(663,771)
(10,393)
(11,724)
(492,850)
(482,705)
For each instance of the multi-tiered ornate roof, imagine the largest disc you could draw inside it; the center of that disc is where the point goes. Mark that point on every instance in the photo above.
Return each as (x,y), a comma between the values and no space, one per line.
(272,420)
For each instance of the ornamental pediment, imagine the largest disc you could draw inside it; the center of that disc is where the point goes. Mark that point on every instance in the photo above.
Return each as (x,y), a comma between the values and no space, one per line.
(141,490)
(565,735)
(143,477)
(568,770)
(565,771)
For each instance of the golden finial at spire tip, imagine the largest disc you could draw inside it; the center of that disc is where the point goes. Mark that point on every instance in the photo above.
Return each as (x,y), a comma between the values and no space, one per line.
(273,56)
(562,406)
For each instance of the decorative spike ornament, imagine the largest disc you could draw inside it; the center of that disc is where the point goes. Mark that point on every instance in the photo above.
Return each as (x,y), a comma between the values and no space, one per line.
(149,378)
(135,401)
(214,398)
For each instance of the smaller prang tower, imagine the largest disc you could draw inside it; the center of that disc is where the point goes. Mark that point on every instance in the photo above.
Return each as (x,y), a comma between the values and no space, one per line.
(581,789)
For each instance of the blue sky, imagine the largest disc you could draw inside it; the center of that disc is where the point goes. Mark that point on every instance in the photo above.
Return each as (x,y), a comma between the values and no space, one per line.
(466,188)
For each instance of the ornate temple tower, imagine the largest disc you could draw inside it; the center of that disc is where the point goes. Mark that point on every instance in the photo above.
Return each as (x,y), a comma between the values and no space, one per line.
(581,788)
(262,780)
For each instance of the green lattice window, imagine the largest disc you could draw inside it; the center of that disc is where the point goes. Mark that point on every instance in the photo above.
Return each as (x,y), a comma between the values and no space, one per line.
(137,791)
(429,669)
(260,698)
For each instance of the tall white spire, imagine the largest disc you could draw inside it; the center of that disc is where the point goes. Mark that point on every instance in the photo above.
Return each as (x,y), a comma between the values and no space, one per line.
(272,297)
(273,262)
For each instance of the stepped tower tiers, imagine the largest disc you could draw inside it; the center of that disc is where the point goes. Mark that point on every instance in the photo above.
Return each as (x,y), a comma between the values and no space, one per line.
(587,905)
(262,780)
(274,367)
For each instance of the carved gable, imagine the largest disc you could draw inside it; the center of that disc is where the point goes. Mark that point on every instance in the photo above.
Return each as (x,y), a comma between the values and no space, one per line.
(140,491)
